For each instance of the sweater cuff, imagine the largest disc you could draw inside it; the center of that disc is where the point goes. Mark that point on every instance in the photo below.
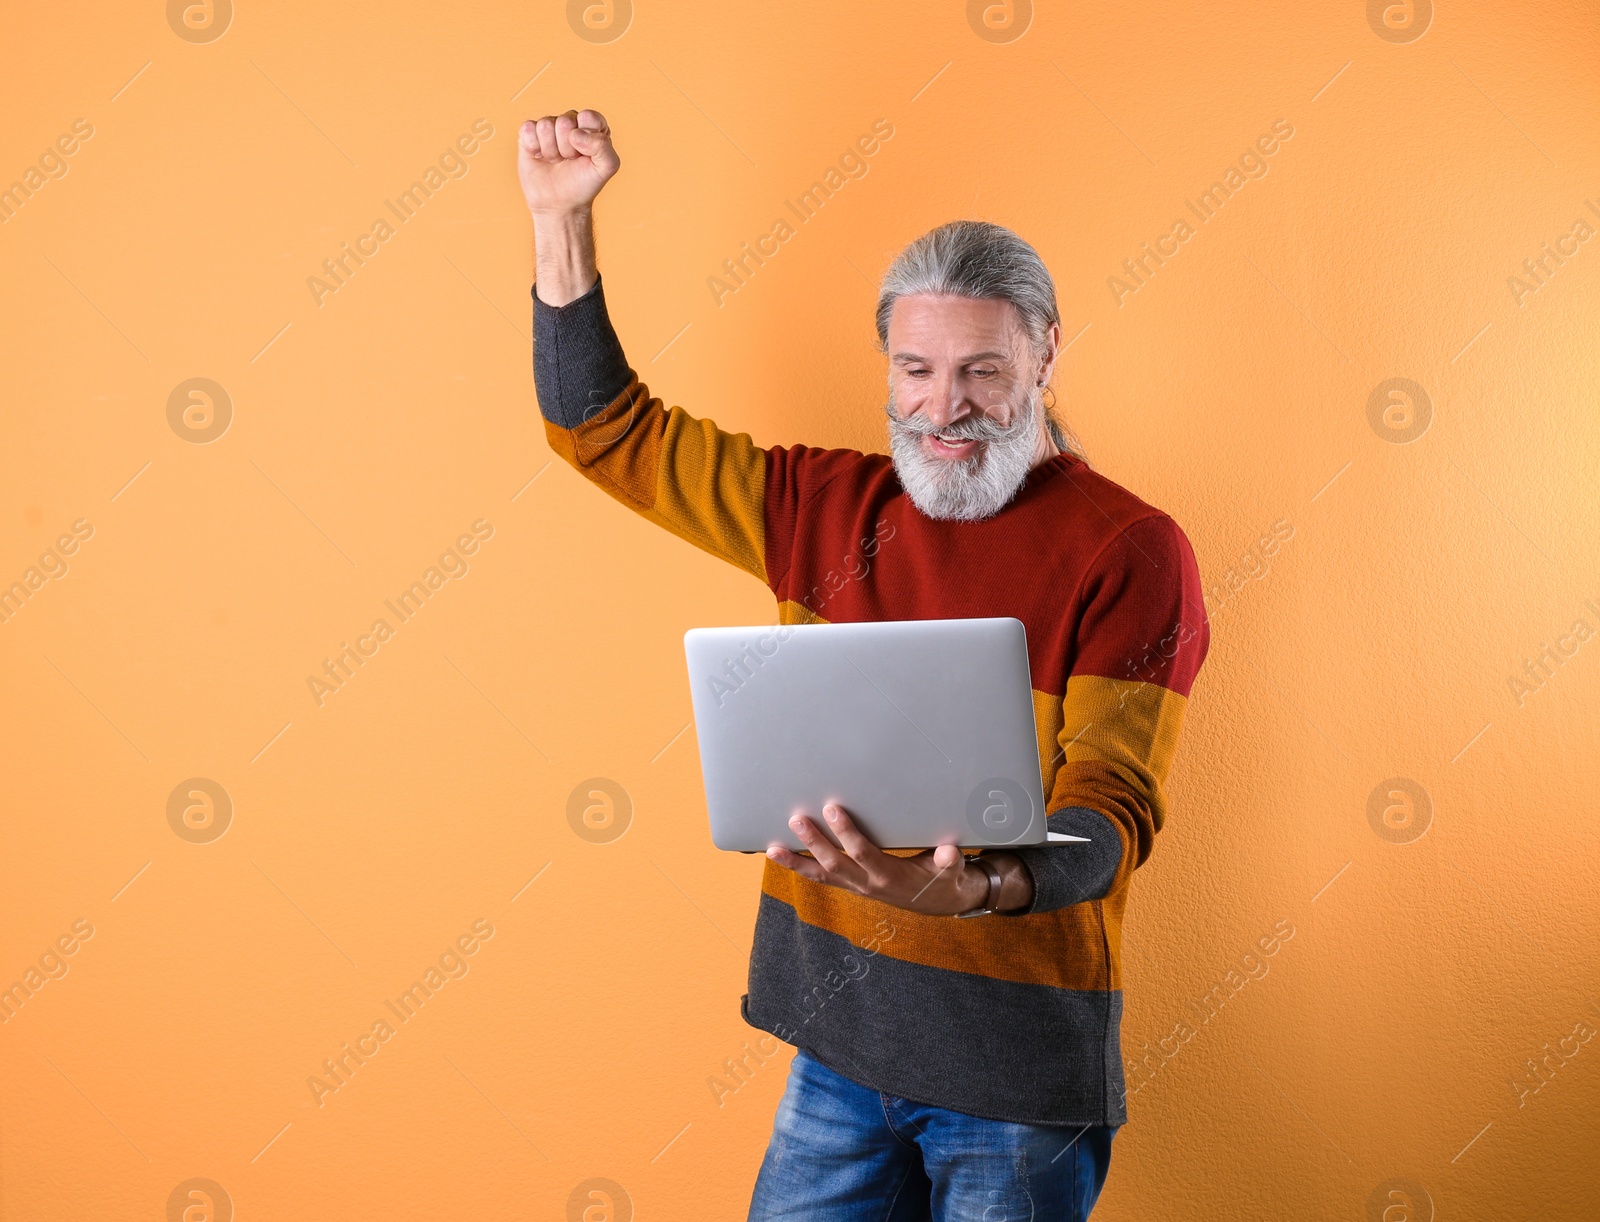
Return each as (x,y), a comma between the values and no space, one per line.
(578,364)
(1067,874)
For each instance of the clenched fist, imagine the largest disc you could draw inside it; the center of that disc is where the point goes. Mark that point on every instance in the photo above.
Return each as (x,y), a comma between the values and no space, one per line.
(563,161)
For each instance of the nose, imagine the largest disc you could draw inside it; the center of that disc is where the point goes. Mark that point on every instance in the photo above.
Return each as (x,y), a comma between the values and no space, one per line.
(946,400)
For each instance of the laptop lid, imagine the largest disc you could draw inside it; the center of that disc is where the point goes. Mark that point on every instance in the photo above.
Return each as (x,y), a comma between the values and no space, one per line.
(922,729)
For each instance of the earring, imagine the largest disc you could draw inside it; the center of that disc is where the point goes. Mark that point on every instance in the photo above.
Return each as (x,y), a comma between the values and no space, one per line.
(1049,399)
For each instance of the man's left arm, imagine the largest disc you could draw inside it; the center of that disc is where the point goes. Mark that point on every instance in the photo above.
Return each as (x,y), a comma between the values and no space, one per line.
(1141,638)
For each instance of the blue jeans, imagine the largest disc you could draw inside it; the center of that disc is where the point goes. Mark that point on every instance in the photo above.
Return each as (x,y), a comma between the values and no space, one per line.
(842,1152)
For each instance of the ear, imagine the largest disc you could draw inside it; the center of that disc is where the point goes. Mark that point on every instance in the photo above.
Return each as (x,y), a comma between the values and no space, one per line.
(1052,349)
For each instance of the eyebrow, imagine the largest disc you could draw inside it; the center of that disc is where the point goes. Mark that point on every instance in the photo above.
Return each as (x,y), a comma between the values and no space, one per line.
(908,357)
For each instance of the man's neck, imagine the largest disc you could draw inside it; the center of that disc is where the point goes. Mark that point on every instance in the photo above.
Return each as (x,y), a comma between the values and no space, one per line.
(1045,450)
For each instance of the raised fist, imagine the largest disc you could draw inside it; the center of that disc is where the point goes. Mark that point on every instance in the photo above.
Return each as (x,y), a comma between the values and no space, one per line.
(563,161)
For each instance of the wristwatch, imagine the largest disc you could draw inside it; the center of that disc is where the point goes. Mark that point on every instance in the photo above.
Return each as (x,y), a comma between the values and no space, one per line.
(988,907)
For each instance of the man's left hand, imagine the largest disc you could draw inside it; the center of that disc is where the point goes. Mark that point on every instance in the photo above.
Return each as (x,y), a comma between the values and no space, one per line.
(938,882)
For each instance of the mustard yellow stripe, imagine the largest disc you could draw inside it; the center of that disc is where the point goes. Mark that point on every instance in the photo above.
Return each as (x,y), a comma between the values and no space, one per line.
(1116,730)
(686,475)
(1122,722)
(1047,720)
(791,612)
(1064,949)
(710,490)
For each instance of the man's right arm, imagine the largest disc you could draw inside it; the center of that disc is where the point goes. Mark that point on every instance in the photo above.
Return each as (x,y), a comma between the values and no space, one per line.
(702,484)
(579,366)
(563,161)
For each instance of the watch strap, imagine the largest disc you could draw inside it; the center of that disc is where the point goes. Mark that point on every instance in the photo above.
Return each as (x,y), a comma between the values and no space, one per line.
(992,898)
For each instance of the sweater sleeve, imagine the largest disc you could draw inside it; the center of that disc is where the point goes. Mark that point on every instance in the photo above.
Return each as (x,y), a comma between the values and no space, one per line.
(1141,637)
(704,485)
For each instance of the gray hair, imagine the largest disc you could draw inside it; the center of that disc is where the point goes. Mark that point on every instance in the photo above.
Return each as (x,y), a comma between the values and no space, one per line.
(979,259)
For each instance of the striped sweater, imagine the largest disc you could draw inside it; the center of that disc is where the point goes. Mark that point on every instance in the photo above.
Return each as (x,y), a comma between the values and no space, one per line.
(1010,1017)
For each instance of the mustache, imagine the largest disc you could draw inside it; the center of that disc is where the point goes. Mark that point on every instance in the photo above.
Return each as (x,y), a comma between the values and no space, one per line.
(974,427)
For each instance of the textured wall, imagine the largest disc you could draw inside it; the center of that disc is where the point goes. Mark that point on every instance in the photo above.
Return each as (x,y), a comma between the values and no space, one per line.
(1375,422)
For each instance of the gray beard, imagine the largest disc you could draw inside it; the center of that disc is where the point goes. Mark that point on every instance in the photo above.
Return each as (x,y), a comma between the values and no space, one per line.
(965,489)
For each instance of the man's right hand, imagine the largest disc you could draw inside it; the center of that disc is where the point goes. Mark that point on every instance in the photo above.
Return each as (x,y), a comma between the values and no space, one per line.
(563,161)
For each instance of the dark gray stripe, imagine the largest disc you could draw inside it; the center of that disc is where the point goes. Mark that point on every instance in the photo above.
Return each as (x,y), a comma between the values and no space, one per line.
(1067,874)
(1019,1052)
(578,365)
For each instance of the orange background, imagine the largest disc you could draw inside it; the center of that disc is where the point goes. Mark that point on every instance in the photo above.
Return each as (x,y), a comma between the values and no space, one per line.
(368,432)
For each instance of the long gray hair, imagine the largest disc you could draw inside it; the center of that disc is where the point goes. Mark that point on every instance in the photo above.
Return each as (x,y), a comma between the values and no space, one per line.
(980,259)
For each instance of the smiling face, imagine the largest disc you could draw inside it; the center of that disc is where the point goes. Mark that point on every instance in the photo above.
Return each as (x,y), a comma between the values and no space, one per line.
(966,423)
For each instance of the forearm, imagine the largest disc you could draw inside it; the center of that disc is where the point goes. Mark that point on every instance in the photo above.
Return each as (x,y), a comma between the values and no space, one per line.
(578,363)
(564,255)
(1067,874)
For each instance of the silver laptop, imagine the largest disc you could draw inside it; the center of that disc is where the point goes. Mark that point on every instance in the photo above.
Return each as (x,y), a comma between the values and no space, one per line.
(922,730)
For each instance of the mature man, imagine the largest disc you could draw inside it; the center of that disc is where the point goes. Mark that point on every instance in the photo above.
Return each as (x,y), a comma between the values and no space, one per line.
(945,1068)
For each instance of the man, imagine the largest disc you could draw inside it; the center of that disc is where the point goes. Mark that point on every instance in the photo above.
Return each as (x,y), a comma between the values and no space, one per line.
(945,1068)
